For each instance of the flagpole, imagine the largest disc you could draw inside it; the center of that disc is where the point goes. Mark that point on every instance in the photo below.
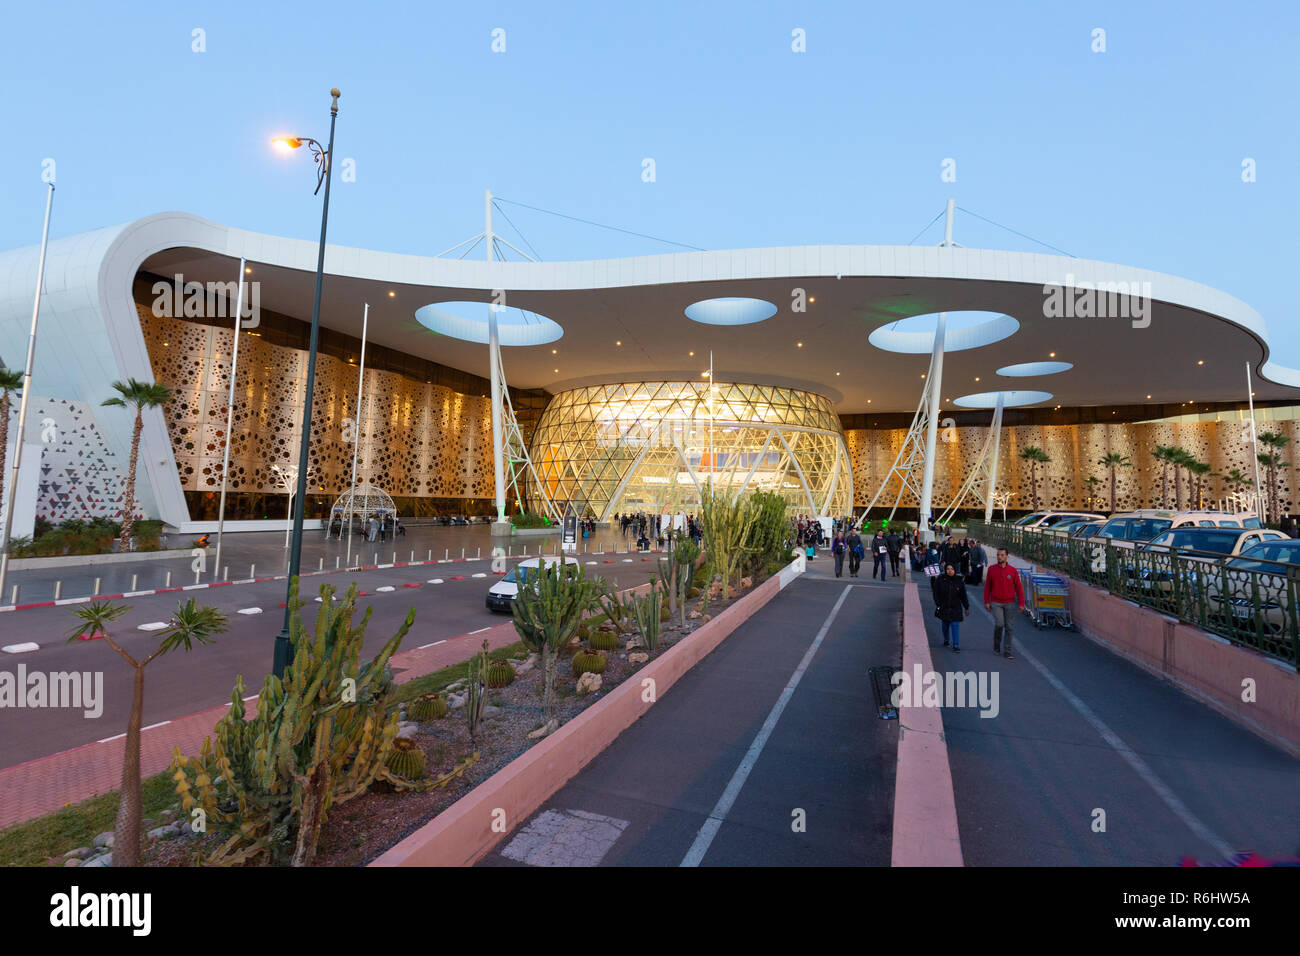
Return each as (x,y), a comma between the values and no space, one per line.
(712,464)
(22,405)
(1254,447)
(230,417)
(356,430)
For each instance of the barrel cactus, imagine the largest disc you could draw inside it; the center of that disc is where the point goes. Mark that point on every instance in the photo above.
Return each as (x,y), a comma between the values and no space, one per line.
(603,640)
(406,759)
(588,662)
(427,707)
(500,674)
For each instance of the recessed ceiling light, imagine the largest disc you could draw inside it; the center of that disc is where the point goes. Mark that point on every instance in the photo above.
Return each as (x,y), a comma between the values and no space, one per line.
(554,351)
(800,344)
(837,373)
(1200,361)
(704,374)
(812,298)
(618,343)
(248,270)
(557,371)
(868,401)
(392,294)
(977,378)
(692,354)
(922,375)
(1148,396)
(1051,355)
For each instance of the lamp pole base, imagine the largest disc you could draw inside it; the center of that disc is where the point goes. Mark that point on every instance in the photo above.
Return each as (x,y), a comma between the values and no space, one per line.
(501,529)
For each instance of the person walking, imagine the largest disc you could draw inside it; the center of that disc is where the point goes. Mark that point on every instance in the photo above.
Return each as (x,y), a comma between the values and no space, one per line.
(977,561)
(895,545)
(1002,591)
(837,551)
(854,543)
(951,605)
(932,565)
(879,552)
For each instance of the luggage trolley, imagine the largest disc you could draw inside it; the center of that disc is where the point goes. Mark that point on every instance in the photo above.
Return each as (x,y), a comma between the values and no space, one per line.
(1047,599)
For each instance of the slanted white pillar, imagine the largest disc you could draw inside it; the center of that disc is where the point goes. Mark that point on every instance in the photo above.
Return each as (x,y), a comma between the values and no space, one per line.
(993,465)
(500,526)
(936,398)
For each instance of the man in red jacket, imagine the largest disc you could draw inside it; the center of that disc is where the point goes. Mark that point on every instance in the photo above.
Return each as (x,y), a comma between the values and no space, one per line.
(1002,592)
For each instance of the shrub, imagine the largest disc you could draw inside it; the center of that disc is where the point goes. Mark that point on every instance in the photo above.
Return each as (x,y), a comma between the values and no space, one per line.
(427,707)
(548,614)
(603,641)
(588,662)
(406,759)
(500,674)
(527,519)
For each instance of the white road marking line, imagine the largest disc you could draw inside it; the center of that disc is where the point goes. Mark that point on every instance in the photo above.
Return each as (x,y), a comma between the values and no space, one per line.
(627,560)
(479,575)
(386,588)
(24,648)
(110,739)
(434,644)
(435,580)
(482,629)
(162,723)
(1139,765)
(695,855)
(249,610)
(152,626)
(250,697)
(591,562)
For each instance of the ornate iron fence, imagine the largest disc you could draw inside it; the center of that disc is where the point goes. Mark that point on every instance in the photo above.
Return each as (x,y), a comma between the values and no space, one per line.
(1256,606)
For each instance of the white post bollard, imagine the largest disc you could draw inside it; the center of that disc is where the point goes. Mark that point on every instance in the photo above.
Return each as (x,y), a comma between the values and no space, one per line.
(196,576)
(252,571)
(134,579)
(337,559)
(167,580)
(225,573)
(58,590)
(13,595)
(322,565)
(97,585)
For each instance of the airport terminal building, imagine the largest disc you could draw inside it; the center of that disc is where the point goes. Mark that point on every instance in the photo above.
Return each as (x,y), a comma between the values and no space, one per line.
(632,381)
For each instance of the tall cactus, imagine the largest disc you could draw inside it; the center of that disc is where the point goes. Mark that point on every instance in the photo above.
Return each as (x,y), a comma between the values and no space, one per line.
(321,736)
(549,608)
(648,609)
(726,517)
(676,573)
(476,690)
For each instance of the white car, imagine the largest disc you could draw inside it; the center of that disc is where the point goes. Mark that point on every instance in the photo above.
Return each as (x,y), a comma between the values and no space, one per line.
(501,596)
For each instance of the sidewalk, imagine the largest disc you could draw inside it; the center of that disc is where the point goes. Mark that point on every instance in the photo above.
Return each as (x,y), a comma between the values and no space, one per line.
(46,784)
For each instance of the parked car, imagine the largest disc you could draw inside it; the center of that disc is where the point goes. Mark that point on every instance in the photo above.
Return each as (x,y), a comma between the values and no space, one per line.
(1257,584)
(1054,519)
(1086,529)
(1153,561)
(501,596)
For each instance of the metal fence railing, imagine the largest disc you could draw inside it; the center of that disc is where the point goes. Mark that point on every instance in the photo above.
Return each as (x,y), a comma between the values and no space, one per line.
(1257,607)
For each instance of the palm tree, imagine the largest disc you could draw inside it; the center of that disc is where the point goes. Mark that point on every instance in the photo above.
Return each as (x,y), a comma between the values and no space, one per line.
(141,395)
(1113,460)
(10,381)
(1180,458)
(1199,469)
(190,624)
(1234,479)
(1035,456)
(1092,482)
(1163,454)
(1272,460)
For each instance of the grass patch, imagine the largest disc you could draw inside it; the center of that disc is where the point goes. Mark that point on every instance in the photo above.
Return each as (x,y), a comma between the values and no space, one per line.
(34,842)
(438,680)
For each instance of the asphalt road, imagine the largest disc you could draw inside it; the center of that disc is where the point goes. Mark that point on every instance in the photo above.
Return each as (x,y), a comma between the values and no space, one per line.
(179,684)
(1080,730)
(819,790)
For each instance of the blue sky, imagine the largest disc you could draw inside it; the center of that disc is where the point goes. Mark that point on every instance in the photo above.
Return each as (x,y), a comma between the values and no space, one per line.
(1133,155)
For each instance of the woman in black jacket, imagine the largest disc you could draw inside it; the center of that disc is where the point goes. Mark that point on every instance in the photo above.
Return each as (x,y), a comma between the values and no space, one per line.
(951,604)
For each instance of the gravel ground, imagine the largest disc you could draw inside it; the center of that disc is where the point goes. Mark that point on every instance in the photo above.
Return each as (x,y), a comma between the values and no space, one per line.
(360,830)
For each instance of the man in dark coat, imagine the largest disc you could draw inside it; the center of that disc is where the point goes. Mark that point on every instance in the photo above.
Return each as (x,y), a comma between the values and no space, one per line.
(952,604)
(894,542)
(854,543)
(879,550)
(838,548)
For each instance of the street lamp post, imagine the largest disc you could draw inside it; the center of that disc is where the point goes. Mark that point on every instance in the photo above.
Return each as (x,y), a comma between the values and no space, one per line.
(325,166)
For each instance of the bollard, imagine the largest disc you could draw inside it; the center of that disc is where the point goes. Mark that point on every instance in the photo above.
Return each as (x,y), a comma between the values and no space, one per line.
(167,580)
(412,561)
(252,571)
(96,586)
(196,576)
(508,550)
(462,554)
(322,565)
(13,595)
(394,556)
(337,559)
(58,590)
(446,554)
(375,558)
(134,579)
(225,573)
(480,554)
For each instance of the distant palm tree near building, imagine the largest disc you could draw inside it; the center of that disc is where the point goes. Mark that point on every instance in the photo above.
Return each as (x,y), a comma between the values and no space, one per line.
(1198,469)
(1092,481)
(140,395)
(1035,456)
(1113,460)
(1164,455)
(10,381)
(1272,461)
(1234,479)
(1180,458)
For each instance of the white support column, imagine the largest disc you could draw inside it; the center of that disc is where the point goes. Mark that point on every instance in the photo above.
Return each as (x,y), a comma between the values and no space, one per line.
(500,526)
(932,427)
(993,465)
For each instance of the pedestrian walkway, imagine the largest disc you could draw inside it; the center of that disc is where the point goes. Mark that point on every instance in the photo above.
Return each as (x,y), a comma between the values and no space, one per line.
(1092,761)
(768,752)
(41,786)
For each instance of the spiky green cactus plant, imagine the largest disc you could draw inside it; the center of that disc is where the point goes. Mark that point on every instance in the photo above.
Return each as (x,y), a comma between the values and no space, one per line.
(427,707)
(588,662)
(500,674)
(548,611)
(321,736)
(618,608)
(603,641)
(476,690)
(648,610)
(406,759)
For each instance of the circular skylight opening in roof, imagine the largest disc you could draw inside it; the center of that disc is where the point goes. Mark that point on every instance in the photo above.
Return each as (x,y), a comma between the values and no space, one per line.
(1026,369)
(730,311)
(1009,399)
(468,321)
(964,330)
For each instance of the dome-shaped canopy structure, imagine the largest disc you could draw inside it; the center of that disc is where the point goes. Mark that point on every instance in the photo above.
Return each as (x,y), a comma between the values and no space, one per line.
(364,501)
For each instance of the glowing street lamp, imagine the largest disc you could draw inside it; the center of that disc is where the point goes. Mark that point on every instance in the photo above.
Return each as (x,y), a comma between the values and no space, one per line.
(324,159)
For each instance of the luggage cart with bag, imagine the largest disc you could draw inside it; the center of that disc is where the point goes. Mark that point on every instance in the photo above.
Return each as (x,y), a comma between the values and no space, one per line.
(1047,599)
